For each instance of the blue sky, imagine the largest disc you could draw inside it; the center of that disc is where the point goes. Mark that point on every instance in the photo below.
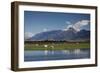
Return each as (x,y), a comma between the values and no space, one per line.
(36,22)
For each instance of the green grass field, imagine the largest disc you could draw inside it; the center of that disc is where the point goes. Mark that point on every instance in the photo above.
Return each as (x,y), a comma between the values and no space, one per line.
(56,46)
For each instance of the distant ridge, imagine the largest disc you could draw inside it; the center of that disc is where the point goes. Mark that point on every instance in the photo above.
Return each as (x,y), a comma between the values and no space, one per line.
(61,35)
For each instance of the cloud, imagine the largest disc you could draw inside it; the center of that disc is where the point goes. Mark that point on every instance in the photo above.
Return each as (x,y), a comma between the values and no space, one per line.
(67,22)
(77,26)
(45,29)
(68,27)
(80,24)
(28,35)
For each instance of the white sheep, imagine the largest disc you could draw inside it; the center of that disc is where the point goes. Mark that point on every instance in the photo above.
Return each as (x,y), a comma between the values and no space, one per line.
(45,46)
(37,44)
(52,46)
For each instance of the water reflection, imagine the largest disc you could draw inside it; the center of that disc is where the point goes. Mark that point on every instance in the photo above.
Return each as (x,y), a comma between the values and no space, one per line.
(41,55)
(76,51)
(66,51)
(46,52)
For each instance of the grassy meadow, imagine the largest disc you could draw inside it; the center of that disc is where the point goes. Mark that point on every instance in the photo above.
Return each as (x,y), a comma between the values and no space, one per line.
(56,46)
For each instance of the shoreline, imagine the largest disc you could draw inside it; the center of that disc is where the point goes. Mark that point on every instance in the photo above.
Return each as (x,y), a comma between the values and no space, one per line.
(56,46)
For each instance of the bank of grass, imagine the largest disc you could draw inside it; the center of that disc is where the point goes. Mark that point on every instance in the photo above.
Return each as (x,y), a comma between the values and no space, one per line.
(56,46)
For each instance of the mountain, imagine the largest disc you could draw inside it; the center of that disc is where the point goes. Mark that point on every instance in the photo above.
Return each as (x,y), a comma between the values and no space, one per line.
(61,35)
(83,35)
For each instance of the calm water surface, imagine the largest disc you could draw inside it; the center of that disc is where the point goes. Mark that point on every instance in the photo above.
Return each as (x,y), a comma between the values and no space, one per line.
(42,55)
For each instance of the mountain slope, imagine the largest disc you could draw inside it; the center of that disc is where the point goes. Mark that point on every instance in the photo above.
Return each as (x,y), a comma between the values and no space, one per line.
(60,35)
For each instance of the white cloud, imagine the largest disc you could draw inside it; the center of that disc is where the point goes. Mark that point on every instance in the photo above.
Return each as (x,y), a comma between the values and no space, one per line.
(77,26)
(45,29)
(28,35)
(80,24)
(67,22)
(67,27)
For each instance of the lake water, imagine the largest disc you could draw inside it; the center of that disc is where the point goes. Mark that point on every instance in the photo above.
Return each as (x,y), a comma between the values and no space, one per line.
(44,55)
